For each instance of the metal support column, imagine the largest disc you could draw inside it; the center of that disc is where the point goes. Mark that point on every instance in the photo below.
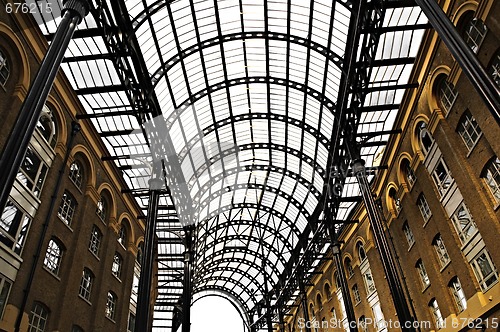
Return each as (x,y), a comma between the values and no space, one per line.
(267,301)
(387,258)
(188,269)
(15,148)
(146,278)
(302,291)
(482,82)
(344,287)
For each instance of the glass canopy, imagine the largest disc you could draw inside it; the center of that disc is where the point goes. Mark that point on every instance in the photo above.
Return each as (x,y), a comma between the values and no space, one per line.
(244,95)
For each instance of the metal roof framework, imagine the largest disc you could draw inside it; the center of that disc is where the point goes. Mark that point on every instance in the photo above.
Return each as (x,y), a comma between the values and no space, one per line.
(257,100)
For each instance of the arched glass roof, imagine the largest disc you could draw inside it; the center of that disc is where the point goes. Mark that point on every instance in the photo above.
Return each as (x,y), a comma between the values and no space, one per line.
(244,95)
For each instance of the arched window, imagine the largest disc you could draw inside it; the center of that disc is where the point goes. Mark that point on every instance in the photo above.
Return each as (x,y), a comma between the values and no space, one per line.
(408,172)
(311,310)
(424,208)
(422,272)
(473,30)
(361,251)
(140,252)
(102,209)
(436,313)
(46,126)
(348,267)
(394,201)
(425,138)
(491,176)
(95,240)
(53,256)
(355,294)
(458,294)
(67,208)
(468,129)
(4,69)
(76,328)
(446,93)
(111,306)
(494,68)
(86,284)
(76,174)
(122,236)
(328,291)
(319,302)
(362,324)
(441,252)
(408,234)
(116,268)
(38,317)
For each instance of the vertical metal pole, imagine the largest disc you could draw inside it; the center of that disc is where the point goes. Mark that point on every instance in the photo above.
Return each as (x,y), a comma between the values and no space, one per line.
(302,290)
(281,318)
(187,287)
(267,300)
(481,81)
(344,287)
(387,258)
(15,148)
(146,278)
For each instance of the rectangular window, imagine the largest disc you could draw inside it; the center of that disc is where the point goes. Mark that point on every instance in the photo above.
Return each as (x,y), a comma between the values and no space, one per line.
(355,293)
(442,177)
(95,241)
(369,283)
(436,313)
(463,222)
(484,270)
(441,251)
(422,272)
(32,172)
(458,294)
(492,178)
(5,285)
(469,130)
(67,208)
(131,322)
(378,317)
(86,284)
(14,226)
(409,235)
(424,208)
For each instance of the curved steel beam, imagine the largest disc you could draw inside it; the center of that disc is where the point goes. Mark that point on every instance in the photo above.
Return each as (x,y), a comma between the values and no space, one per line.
(217,194)
(245,222)
(221,289)
(270,248)
(196,96)
(244,205)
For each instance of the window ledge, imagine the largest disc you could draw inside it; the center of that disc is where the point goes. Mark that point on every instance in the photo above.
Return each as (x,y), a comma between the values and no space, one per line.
(84,299)
(474,145)
(52,273)
(93,254)
(117,278)
(445,266)
(426,287)
(65,223)
(427,221)
(111,320)
(411,246)
(496,206)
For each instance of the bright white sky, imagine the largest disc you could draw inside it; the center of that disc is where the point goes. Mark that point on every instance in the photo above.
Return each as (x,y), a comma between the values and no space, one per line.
(214,314)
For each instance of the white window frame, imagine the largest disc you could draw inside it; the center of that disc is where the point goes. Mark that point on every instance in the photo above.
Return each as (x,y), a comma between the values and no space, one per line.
(110,311)
(424,208)
(356,295)
(441,252)
(458,294)
(475,32)
(466,230)
(469,130)
(422,273)
(492,178)
(369,282)
(86,282)
(53,257)
(447,95)
(67,208)
(76,174)
(494,69)
(38,317)
(5,287)
(95,240)
(443,183)
(116,266)
(410,239)
(486,281)
(33,184)
(4,69)
(436,313)
(14,232)
(101,209)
